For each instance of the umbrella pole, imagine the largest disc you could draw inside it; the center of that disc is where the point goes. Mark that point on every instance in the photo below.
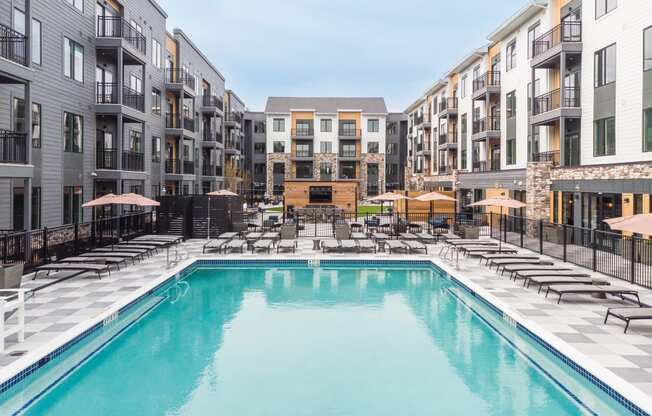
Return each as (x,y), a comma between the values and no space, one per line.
(500,232)
(208,218)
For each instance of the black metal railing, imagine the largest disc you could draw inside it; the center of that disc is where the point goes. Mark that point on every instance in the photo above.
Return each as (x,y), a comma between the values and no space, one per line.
(304,153)
(219,170)
(349,132)
(565,32)
(208,170)
(133,161)
(188,123)
(449,103)
(179,76)
(303,132)
(106,159)
(479,166)
(118,27)
(234,117)
(552,156)
(132,98)
(172,166)
(172,121)
(554,100)
(13,147)
(107,92)
(232,145)
(13,45)
(488,79)
(213,101)
(188,167)
(486,124)
(209,136)
(347,153)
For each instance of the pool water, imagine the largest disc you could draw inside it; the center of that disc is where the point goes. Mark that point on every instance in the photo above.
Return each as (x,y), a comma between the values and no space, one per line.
(316,341)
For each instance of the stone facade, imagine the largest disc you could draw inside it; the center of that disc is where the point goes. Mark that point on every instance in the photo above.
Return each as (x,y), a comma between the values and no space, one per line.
(608,172)
(276,158)
(372,158)
(537,185)
(324,157)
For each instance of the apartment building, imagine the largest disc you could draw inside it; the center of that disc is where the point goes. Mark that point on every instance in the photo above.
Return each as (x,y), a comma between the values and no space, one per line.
(255,138)
(326,138)
(556,111)
(396,151)
(115,104)
(234,160)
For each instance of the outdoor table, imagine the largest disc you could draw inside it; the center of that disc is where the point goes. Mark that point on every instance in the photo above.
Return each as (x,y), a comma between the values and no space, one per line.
(414,228)
(316,244)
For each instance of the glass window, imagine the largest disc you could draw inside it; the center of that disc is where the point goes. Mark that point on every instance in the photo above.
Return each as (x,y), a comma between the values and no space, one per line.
(647,130)
(647,49)
(73,60)
(279,168)
(325,169)
(259,127)
(36,42)
(78,4)
(326,147)
(135,83)
(605,66)
(511,104)
(279,125)
(392,127)
(36,125)
(156,149)
(532,35)
(259,148)
(72,132)
(72,204)
(511,55)
(135,141)
(604,137)
(373,125)
(603,7)
(19,21)
(391,148)
(463,124)
(259,168)
(372,147)
(279,147)
(326,125)
(463,86)
(511,151)
(156,53)
(156,102)
(19,115)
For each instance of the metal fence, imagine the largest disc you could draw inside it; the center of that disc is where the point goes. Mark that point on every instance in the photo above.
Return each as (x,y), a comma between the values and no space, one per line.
(627,258)
(38,247)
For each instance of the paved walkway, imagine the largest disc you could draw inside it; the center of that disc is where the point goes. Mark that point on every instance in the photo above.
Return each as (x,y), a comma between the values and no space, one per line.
(56,311)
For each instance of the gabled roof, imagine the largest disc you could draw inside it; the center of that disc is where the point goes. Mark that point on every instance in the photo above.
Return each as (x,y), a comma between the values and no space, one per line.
(468,60)
(326,105)
(514,22)
(414,105)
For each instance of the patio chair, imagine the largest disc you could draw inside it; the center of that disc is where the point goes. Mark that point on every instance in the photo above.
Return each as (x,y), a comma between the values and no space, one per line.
(515,268)
(367,245)
(235,245)
(479,250)
(112,261)
(416,246)
(408,236)
(629,314)
(518,262)
(488,258)
(96,268)
(330,245)
(542,281)
(562,290)
(115,254)
(215,245)
(396,245)
(349,245)
(358,236)
(427,238)
(262,245)
(528,272)
(11,276)
(288,239)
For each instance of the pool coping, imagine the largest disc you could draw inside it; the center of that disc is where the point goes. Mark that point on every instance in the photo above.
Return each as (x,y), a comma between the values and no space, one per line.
(611,384)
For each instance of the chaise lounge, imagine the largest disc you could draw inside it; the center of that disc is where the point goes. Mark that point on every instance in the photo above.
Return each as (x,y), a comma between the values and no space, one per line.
(629,314)
(562,290)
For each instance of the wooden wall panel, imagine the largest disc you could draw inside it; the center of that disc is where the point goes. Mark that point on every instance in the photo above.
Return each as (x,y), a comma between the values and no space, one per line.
(344,194)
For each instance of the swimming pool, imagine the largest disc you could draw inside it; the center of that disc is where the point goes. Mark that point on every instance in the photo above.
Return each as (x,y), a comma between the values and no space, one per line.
(299,340)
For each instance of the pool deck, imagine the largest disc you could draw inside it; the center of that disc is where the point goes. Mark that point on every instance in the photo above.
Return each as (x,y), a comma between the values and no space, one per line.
(575,327)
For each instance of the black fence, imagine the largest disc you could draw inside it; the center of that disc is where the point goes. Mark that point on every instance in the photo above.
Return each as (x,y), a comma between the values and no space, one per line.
(39,247)
(627,258)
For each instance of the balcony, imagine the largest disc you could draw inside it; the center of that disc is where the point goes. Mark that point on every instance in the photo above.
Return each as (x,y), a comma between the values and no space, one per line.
(207,170)
(549,157)
(448,139)
(106,92)
(489,83)
(448,107)
(172,166)
(133,161)
(175,77)
(178,122)
(303,155)
(219,171)
(566,37)
(106,159)
(232,147)
(233,119)
(118,27)
(348,155)
(13,45)
(13,147)
(188,167)
(484,166)
(133,99)
(445,170)
(212,103)
(486,128)
(551,106)
(348,133)
(303,133)
(422,121)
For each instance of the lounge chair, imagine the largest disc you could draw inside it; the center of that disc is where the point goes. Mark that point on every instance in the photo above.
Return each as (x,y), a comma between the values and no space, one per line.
(272,235)
(114,254)
(349,245)
(367,245)
(558,272)
(416,246)
(556,280)
(113,261)
(160,239)
(234,245)
(11,276)
(488,258)
(562,290)
(396,245)
(408,236)
(253,236)
(479,250)
(215,245)
(330,245)
(227,236)
(427,238)
(517,262)
(381,236)
(629,314)
(81,267)
(358,236)
(516,268)
(135,245)
(262,245)
(288,239)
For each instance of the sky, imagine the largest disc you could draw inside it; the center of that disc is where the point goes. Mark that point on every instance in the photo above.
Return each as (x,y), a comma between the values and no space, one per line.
(392,49)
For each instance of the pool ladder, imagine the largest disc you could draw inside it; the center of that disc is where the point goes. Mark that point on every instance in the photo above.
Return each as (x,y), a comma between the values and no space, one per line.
(180,289)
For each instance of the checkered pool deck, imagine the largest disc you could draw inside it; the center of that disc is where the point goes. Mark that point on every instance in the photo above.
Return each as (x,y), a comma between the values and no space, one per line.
(56,311)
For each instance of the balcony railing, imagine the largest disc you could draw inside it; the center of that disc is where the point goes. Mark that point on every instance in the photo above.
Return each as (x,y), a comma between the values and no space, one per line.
(132,98)
(565,32)
(213,101)
(209,136)
(179,76)
(172,121)
(553,100)
(13,147)
(232,144)
(188,167)
(485,166)
(219,171)
(118,27)
(552,156)
(445,170)
(208,170)
(188,123)
(349,132)
(172,166)
(107,92)
(236,117)
(304,153)
(450,137)
(449,103)
(347,153)
(106,159)
(489,79)
(133,161)
(303,132)
(13,45)
(486,124)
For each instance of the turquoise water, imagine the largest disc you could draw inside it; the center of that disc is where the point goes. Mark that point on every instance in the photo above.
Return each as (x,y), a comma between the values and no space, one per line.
(343,341)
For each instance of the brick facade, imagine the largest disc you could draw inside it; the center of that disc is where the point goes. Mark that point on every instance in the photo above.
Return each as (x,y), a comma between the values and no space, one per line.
(276,158)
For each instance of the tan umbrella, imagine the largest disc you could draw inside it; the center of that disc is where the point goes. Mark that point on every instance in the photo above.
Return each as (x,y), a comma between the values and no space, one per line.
(222,192)
(432,197)
(136,199)
(640,223)
(388,197)
(107,199)
(502,202)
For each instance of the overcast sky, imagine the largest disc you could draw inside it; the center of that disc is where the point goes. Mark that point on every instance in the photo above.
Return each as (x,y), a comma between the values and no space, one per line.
(394,49)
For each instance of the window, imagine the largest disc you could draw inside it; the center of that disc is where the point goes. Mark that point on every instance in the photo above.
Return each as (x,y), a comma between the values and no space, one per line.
(463,125)
(19,21)
(135,83)
(372,147)
(156,149)
(279,125)
(604,137)
(279,168)
(259,127)
(511,55)
(605,66)
(511,104)
(373,125)
(511,151)
(463,86)
(463,155)
(326,147)
(72,132)
(136,26)
(391,149)
(279,147)
(19,115)
(72,204)
(78,4)
(135,142)
(259,168)
(259,148)
(392,127)
(325,169)
(326,125)
(647,49)
(36,125)
(156,53)
(156,102)
(36,42)
(603,7)
(647,130)
(73,60)
(532,34)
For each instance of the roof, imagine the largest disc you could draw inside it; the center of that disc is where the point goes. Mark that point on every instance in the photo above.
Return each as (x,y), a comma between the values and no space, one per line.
(326,105)
(185,37)
(414,105)
(515,21)
(468,60)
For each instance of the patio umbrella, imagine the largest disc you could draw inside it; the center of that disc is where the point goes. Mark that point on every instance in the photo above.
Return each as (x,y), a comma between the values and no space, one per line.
(640,223)
(107,199)
(221,192)
(502,202)
(136,199)
(432,197)
(388,197)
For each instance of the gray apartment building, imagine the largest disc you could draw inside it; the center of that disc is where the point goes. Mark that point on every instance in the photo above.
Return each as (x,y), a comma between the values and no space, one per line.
(234,161)
(396,153)
(255,128)
(112,102)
